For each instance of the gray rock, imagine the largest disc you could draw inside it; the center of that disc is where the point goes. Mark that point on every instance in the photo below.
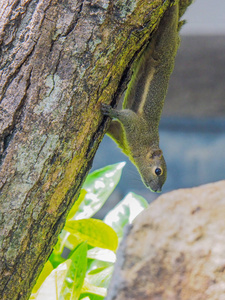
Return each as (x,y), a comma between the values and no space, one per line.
(175,249)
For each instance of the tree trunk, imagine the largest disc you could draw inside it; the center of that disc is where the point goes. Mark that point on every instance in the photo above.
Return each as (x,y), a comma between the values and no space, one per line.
(59,61)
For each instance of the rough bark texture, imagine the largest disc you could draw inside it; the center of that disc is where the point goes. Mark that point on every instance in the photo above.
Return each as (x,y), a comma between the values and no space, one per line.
(59,61)
(175,249)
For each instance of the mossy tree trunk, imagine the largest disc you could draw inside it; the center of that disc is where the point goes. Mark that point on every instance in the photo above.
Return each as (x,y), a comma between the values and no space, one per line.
(59,61)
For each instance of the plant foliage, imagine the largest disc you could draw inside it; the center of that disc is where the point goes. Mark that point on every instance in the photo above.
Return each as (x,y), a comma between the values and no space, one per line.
(92,243)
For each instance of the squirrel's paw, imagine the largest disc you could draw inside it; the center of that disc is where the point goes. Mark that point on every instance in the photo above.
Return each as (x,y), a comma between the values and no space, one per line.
(107,110)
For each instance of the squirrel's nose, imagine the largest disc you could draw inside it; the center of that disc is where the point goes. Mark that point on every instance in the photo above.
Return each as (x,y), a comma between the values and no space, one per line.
(154,190)
(158,190)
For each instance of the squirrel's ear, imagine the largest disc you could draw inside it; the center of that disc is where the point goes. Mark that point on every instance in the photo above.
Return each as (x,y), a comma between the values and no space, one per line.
(154,153)
(157,153)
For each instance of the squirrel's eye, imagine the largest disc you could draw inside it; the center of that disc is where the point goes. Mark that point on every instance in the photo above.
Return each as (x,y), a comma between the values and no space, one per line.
(158,171)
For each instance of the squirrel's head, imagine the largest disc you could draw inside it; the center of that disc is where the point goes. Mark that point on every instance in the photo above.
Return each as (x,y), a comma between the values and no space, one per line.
(153,170)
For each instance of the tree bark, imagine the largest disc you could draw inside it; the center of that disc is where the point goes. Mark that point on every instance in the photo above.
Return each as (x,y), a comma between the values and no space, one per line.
(59,61)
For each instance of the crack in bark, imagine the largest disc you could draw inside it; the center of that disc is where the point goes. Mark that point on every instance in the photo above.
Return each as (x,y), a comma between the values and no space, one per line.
(15,72)
(75,20)
(31,42)
(8,133)
(10,24)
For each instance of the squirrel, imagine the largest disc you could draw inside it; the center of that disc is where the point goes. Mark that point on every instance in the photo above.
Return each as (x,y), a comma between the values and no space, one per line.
(135,127)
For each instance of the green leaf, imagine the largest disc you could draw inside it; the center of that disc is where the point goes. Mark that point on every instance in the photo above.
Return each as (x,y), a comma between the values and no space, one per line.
(89,288)
(43,275)
(125,212)
(74,279)
(72,241)
(67,240)
(65,282)
(88,296)
(100,277)
(56,256)
(56,259)
(102,254)
(51,287)
(76,205)
(96,283)
(95,232)
(99,186)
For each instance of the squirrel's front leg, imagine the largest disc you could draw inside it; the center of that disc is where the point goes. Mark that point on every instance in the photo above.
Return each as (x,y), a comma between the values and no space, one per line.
(126,116)
(107,110)
(126,129)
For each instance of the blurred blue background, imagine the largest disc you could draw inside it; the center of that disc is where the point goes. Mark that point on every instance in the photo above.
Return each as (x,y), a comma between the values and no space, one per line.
(192,128)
